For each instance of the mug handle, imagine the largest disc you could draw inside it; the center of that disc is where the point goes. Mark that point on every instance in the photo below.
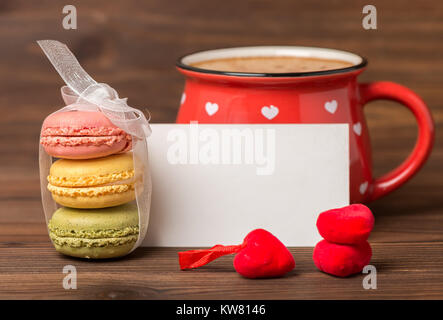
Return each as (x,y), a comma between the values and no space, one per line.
(393,91)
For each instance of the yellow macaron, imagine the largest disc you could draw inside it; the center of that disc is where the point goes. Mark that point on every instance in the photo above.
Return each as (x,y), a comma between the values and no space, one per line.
(94,183)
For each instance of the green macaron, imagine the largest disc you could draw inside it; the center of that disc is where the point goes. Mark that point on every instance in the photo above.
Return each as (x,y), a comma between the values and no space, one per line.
(95,233)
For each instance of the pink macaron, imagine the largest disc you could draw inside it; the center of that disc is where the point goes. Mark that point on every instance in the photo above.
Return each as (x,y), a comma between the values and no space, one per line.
(82,135)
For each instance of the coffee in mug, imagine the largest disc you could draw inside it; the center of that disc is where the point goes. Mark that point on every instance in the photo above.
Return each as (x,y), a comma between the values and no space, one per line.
(272,64)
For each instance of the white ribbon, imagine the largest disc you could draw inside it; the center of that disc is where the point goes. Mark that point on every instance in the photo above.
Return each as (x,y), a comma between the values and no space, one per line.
(84,93)
(85,90)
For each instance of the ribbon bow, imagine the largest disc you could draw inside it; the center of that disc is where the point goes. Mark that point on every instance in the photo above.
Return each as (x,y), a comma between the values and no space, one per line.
(83,92)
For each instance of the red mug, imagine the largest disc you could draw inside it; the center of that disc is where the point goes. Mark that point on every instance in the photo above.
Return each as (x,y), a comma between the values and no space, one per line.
(330,96)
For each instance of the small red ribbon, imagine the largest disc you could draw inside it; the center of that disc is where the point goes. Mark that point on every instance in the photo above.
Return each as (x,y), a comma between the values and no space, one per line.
(196,258)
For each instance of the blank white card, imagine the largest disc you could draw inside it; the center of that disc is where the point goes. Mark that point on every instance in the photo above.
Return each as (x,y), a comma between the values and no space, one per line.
(212,184)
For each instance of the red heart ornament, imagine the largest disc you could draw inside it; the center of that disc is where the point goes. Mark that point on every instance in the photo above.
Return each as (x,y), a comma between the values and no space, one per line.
(261,255)
(264,256)
(348,225)
(341,260)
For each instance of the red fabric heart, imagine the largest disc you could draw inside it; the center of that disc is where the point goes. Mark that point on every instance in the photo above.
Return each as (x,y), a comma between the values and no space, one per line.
(261,255)
(348,225)
(341,260)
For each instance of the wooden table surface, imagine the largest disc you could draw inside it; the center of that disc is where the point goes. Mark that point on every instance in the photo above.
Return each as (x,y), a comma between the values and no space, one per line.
(132,45)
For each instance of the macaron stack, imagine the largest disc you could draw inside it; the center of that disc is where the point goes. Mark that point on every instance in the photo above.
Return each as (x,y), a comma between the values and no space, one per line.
(94,182)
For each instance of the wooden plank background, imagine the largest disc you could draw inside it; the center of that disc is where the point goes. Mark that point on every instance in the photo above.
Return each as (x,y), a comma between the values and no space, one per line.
(133,45)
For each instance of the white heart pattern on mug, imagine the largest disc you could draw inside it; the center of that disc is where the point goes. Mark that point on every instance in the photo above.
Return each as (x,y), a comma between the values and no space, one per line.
(183,99)
(269,112)
(331,106)
(211,108)
(363,187)
(357,128)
